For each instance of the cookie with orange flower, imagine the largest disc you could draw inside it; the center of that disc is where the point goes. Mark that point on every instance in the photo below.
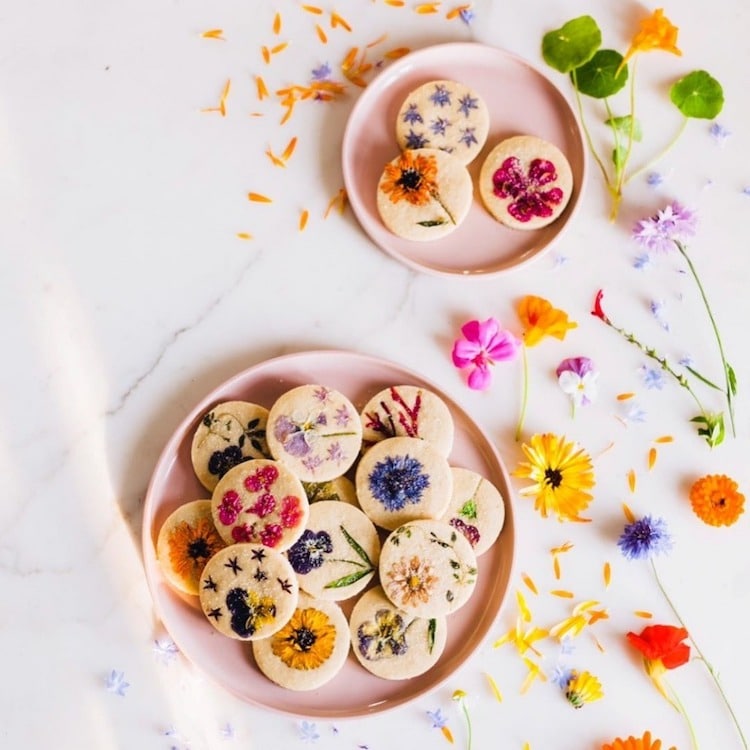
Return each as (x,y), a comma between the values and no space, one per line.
(525,182)
(310,650)
(424,194)
(186,542)
(391,643)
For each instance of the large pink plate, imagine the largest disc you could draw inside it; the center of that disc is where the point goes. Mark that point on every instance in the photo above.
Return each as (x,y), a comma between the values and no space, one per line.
(520,99)
(354,691)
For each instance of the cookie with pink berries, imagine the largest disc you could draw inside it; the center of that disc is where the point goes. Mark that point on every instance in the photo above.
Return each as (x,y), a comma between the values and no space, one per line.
(261,502)
(476,509)
(525,182)
(315,432)
(408,411)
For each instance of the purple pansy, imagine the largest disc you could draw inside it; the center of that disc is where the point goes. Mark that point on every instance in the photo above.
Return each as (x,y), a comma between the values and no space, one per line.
(577,377)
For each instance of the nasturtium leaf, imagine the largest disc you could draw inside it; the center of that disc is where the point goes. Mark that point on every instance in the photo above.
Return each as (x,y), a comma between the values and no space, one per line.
(698,95)
(599,77)
(571,45)
(623,124)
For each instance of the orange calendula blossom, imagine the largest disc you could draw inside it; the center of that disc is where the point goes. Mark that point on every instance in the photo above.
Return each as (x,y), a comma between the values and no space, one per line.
(562,475)
(716,500)
(635,743)
(306,641)
(412,178)
(540,319)
(654,32)
(190,548)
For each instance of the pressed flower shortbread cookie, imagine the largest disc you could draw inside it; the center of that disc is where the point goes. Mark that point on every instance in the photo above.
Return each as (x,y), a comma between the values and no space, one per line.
(427,568)
(447,115)
(401,479)
(391,643)
(309,650)
(476,509)
(337,554)
(187,540)
(228,434)
(408,411)
(315,431)
(525,182)
(248,591)
(424,194)
(262,502)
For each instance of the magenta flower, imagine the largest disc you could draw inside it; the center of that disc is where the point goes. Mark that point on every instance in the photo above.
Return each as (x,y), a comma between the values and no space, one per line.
(483,345)
(577,377)
(527,190)
(660,232)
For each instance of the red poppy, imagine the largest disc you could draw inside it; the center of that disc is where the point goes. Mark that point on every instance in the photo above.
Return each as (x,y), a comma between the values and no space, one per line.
(662,643)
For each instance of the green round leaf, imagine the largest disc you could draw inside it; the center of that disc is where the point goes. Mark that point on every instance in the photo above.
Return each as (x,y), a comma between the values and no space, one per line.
(698,95)
(599,77)
(571,45)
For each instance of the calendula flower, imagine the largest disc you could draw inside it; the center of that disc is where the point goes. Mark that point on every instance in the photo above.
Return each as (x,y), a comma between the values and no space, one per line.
(654,32)
(667,230)
(539,320)
(306,641)
(562,475)
(716,500)
(483,344)
(583,688)
(577,377)
(644,538)
(413,179)
(635,743)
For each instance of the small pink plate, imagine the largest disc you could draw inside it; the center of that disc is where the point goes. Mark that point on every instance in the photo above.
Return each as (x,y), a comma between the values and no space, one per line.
(354,691)
(521,101)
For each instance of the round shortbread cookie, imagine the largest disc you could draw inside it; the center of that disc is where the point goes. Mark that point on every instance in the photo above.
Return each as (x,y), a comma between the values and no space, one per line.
(309,650)
(262,502)
(476,509)
(444,114)
(525,182)
(391,643)
(402,479)
(248,591)
(424,194)
(230,433)
(339,489)
(427,568)
(337,554)
(186,542)
(408,411)
(315,431)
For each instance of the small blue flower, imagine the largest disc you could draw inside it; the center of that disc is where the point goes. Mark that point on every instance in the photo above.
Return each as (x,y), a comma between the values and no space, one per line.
(412,115)
(645,538)
(166,650)
(560,260)
(467,15)
(396,481)
(415,140)
(746,190)
(654,179)
(439,125)
(719,133)
(657,310)
(308,732)
(467,103)
(653,379)
(440,96)
(635,413)
(567,647)
(322,73)
(686,361)
(438,718)
(227,732)
(116,683)
(468,137)
(561,676)
(642,261)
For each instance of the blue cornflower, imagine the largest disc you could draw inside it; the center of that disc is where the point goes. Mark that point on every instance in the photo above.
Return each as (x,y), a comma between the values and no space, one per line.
(438,125)
(657,310)
(412,114)
(653,379)
(686,361)
(415,140)
(645,538)
(467,103)
(116,683)
(635,413)
(438,718)
(308,732)
(467,136)
(396,481)
(440,96)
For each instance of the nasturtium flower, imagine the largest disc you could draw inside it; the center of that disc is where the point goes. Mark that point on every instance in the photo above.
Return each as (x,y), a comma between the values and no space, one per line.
(562,475)
(583,688)
(644,538)
(635,743)
(716,500)
(540,319)
(656,32)
(483,344)
(577,377)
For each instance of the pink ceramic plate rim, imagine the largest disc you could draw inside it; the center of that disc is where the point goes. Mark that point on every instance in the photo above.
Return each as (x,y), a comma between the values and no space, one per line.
(354,692)
(521,100)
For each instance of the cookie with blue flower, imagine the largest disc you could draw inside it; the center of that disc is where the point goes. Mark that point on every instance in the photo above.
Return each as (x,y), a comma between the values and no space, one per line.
(446,115)
(338,552)
(402,479)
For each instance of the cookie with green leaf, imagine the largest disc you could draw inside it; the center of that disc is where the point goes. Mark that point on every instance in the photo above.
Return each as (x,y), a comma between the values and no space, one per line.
(338,552)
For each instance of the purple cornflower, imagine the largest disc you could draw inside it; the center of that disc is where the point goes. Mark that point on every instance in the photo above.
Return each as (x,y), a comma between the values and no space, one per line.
(670,225)
(645,538)
(398,480)
(467,103)
(322,73)
(412,115)
(415,140)
(467,136)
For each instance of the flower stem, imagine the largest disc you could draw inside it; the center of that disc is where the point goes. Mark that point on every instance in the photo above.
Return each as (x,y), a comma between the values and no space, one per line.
(663,153)
(525,393)
(468,725)
(631,132)
(436,196)
(586,132)
(681,709)
(697,648)
(725,365)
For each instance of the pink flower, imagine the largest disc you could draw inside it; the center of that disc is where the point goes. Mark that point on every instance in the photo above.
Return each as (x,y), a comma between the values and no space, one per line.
(264,505)
(483,345)
(230,507)
(271,534)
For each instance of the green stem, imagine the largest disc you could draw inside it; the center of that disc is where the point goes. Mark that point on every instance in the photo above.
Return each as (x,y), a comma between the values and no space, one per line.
(436,196)
(468,724)
(681,709)
(525,393)
(587,134)
(725,364)
(697,648)
(661,155)
(631,131)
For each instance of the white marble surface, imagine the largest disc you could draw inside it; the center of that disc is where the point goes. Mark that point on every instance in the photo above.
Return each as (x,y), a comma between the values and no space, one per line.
(126,297)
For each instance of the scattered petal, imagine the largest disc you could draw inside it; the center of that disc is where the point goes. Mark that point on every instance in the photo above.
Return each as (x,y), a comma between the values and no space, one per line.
(628,513)
(654,179)
(289,150)
(214,34)
(624,396)
(607,574)
(313,9)
(259,198)
(642,261)
(308,732)
(260,87)
(653,379)
(166,650)
(631,480)
(719,133)
(493,686)
(562,593)
(657,310)
(523,607)
(337,20)
(320,31)
(227,731)
(244,236)
(304,216)
(642,613)
(529,583)
(651,458)
(394,54)
(664,439)
(115,683)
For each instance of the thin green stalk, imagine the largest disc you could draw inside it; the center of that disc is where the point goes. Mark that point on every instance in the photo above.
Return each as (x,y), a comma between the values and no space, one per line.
(681,709)
(659,156)
(631,131)
(697,648)
(524,394)
(468,725)
(725,364)
(586,132)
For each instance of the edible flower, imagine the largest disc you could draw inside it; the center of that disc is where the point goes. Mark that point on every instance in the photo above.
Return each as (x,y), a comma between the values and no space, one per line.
(483,344)
(716,500)
(577,377)
(635,743)
(656,32)
(583,688)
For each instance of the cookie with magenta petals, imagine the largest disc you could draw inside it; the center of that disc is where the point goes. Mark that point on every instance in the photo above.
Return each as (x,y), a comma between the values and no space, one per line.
(525,182)
(445,115)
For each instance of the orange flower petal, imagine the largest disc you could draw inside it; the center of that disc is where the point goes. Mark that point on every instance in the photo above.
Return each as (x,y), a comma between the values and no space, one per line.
(562,593)
(289,150)
(277,23)
(244,236)
(624,396)
(607,574)
(394,54)
(259,198)
(321,33)
(304,216)
(214,34)
(529,582)
(313,9)
(337,20)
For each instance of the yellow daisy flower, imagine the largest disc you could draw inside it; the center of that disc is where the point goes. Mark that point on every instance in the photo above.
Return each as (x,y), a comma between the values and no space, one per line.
(583,688)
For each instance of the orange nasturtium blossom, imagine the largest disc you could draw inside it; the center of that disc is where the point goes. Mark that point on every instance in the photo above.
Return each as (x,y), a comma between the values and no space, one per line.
(654,32)
(540,319)
(635,743)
